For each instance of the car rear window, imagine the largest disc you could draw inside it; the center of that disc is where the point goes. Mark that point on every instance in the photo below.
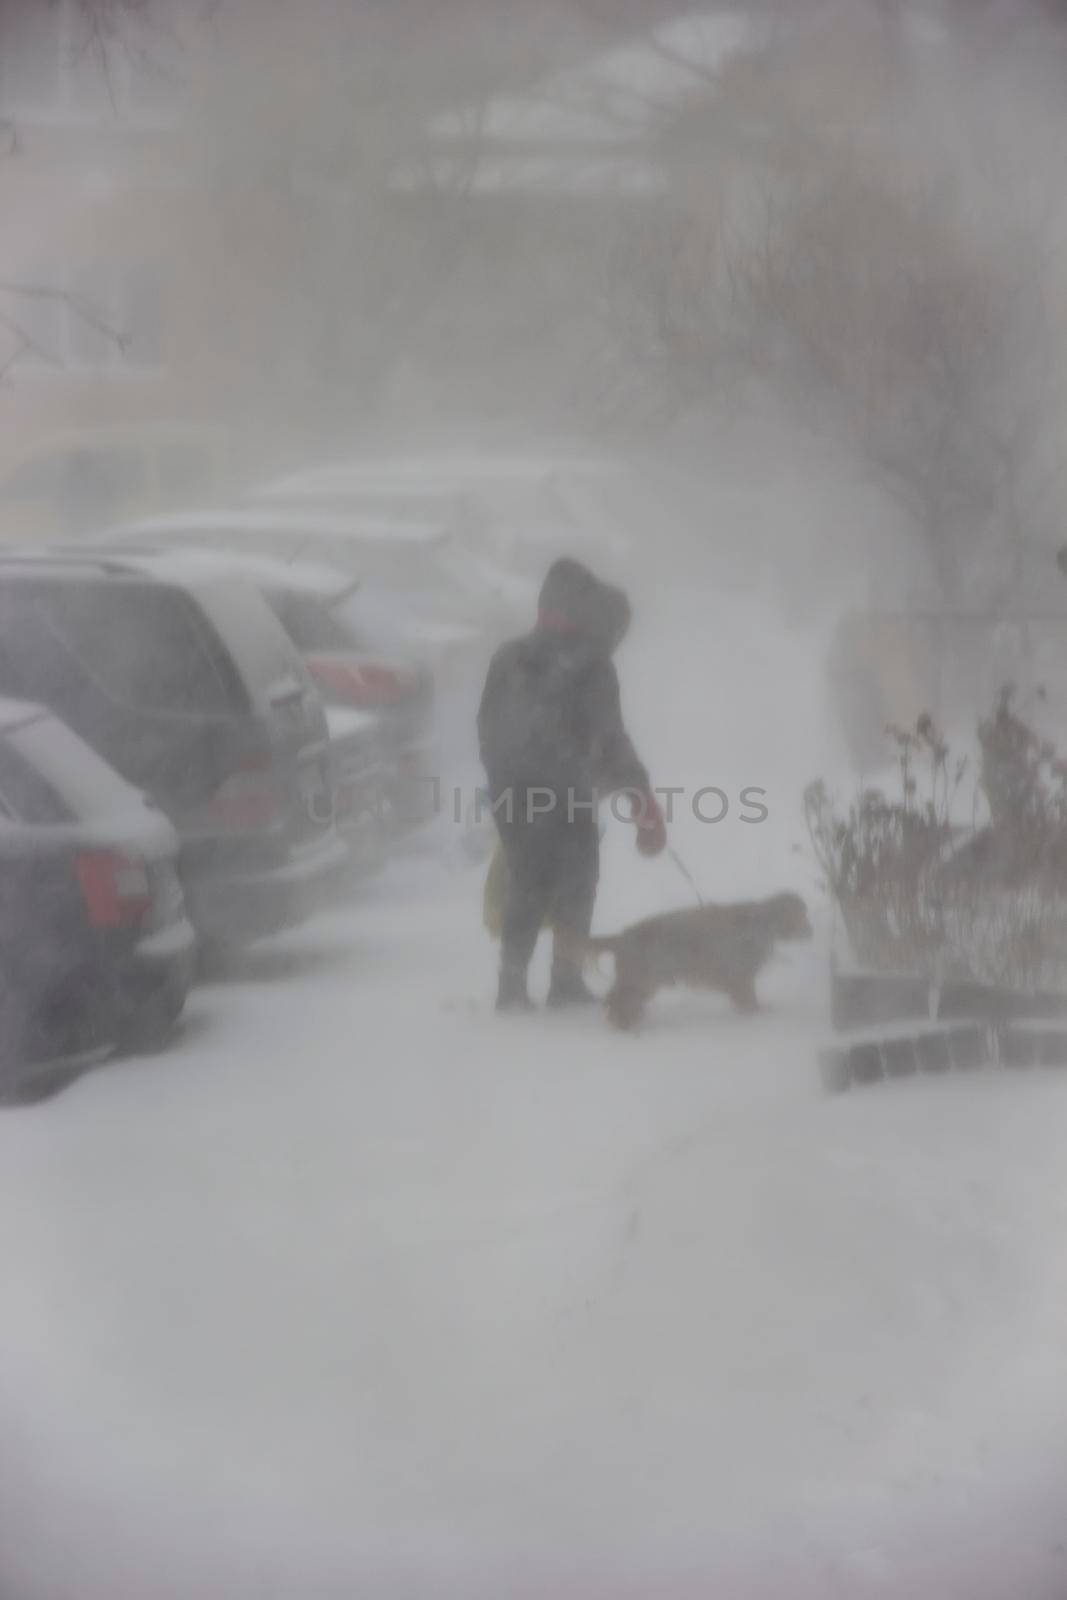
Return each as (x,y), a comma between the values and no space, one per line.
(255,638)
(310,624)
(143,643)
(81,781)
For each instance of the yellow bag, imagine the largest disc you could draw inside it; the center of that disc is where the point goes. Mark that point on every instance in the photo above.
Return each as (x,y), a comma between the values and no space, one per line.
(495,894)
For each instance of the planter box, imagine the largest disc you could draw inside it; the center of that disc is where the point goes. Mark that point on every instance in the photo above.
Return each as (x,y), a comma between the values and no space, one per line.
(1033,1043)
(868,1055)
(890,1025)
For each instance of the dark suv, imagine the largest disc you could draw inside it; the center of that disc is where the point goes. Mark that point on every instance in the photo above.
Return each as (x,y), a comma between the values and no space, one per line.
(379,698)
(185,682)
(95,949)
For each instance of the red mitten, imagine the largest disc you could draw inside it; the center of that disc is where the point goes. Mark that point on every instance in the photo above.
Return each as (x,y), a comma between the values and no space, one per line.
(651,827)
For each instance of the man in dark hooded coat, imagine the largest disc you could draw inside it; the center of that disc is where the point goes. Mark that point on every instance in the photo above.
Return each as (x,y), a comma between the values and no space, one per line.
(552,740)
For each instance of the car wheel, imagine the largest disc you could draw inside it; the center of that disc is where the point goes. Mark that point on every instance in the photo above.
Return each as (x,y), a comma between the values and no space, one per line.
(30,1091)
(23,1080)
(215,957)
(150,1027)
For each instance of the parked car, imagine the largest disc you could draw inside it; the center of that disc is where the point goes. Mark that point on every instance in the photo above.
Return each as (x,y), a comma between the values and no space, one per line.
(379,699)
(183,679)
(515,510)
(400,606)
(423,570)
(404,592)
(95,946)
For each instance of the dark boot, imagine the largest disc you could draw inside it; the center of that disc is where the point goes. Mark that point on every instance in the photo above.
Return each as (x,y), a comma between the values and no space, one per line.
(511,994)
(567,987)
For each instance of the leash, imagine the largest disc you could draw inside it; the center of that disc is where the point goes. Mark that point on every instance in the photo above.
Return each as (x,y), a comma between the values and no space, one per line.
(686,874)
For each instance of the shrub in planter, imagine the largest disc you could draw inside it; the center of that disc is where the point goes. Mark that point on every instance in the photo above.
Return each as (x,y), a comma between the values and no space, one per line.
(919,893)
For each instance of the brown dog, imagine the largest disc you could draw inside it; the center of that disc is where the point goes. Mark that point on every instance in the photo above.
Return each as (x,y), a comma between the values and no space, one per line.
(710,947)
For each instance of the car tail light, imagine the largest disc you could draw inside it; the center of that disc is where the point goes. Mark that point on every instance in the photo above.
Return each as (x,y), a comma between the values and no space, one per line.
(256,759)
(115,888)
(360,683)
(242,804)
(247,799)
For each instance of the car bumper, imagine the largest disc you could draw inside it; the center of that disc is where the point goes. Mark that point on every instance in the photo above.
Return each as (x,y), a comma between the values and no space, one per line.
(239,906)
(386,766)
(159,969)
(77,1021)
(35,1076)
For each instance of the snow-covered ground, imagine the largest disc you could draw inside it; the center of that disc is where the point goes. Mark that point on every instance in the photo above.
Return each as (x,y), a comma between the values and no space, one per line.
(361,1289)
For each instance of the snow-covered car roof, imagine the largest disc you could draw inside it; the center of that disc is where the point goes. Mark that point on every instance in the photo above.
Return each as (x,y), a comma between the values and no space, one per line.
(366,545)
(410,560)
(428,474)
(110,559)
(313,578)
(15,713)
(513,509)
(282,522)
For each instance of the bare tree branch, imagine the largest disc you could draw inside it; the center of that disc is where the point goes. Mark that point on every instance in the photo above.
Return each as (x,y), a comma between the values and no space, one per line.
(103,24)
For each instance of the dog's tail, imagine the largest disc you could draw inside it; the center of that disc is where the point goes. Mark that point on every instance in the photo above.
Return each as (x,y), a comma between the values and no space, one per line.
(583,947)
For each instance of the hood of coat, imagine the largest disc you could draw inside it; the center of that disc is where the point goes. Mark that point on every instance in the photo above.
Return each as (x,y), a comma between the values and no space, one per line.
(577,605)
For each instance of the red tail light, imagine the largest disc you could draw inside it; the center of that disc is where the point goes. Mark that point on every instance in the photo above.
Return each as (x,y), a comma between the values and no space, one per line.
(247,799)
(243,801)
(255,760)
(115,888)
(360,683)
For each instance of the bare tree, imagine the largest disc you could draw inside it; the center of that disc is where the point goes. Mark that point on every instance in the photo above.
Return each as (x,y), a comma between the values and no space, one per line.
(804,244)
(932,353)
(102,29)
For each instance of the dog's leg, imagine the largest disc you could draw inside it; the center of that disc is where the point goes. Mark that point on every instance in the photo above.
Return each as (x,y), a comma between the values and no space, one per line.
(626,1005)
(743,993)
